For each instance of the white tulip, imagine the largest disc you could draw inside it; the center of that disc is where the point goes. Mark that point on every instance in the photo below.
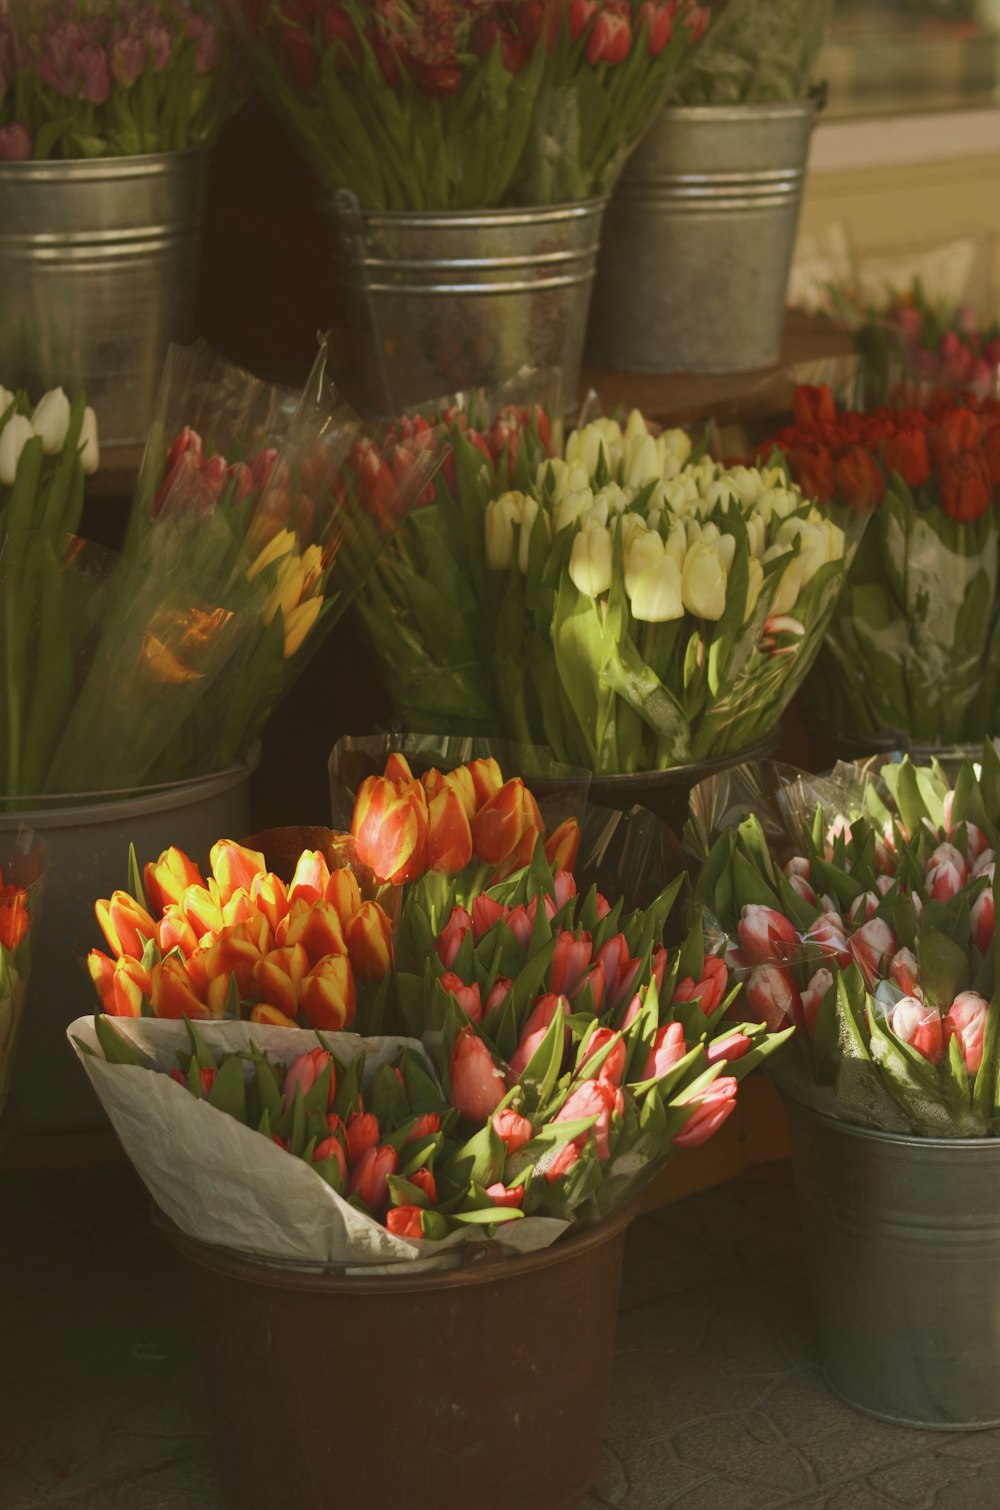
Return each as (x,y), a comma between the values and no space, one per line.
(528,518)
(51,420)
(616,498)
(590,561)
(745,483)
(780,501)
(676,545)
(584,446)
(572,507)
(757,532)
(722,491)
(642,461)
(501,515)
(641,552)
(791,579)
(13,438)
(90,455)
(6,399)
(656,593)
(726,546)
(674,447)
(597,514)
(567,477)
(703,581)
(755,581)
(636,428)
(681,493)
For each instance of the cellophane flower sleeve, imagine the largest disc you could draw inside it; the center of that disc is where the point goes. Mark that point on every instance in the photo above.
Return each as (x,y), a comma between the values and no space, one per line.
(469,104)
(757,52)
(860,909)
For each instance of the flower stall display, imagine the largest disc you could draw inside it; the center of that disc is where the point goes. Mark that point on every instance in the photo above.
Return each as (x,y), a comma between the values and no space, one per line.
(405,104)
(864,916)
(114,80)
(912,651)
(22,875)
(641,606)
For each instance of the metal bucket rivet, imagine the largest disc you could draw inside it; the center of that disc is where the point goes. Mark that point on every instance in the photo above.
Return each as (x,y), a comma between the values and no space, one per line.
(436,303)
(99,268)
(698,243)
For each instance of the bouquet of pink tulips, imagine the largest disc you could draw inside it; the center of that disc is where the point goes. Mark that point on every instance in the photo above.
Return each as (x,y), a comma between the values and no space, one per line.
(93,79)
(865,917)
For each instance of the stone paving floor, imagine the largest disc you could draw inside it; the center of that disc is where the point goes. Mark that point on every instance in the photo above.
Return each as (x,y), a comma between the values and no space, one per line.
(717,1398)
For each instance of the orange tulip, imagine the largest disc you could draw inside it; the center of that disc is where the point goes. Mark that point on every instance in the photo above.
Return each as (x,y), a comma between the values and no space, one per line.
(202,908)
(209,969)
(449,837)
(344,894)
(314,925)
(174,931)
(121,984)
(312,875)
(328,995)
(563,845)
(487,779)
(397,768)
(270,1017)
(14,919)
(172,993)
(390,828)
(460,782)
(269,895)
(166,879)
(507,825)
(278,978)
(369,942)
(125,924)
(235,867)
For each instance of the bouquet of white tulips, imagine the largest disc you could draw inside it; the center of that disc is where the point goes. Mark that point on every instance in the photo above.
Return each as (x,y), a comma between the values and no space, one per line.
(653,607)
(46,450)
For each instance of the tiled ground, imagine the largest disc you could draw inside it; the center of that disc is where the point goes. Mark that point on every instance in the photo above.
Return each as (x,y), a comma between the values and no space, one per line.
(717,1399)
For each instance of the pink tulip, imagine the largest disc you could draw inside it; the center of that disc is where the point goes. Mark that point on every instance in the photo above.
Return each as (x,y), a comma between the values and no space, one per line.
(965,1020)
(733,1046)
(709,991)
(512,1129)
(534,1031)
(451,936)
(613,1067)
(802,889)
(885,884)
(984,864)
(477,1086)
(564,886)
(499,993)
(872,947)
(562,1163)
(370,1178)
(361,1133)
(305,1071)
(16,145)
(521,922)
(919,1026)
(424,1126)
(467,996)
(486,913)
(711,1109)
(501,1196)
(774,997)
(983,919)
(944,881)
(594,1098)
(668,1047)
(798,865)
(863,907)
(570,959)
(766,936)
(903,970)
(817,987)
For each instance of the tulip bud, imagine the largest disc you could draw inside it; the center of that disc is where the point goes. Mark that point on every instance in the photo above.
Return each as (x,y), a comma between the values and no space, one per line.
(234,867)
(562,1163)
(451,936)
(166,880)
(612,1067)
(597,1099)
(171,992)
(14,436)
(501,515)
(766,935)
(370,1178)
(477,1086)
(305,1071)
(328,995)
(126,926)
(920,1026)
(369,942)
(512,1129)
(703,582)
(50,420)
(817,987)
(468,997)
(668,1047)
(983,919)
(774,997)
(90,454)
(405,1221)
(361,1134)
(711,1109)
(728,1049)
(966,1021)
(903,970)
(872,947)
(590,562)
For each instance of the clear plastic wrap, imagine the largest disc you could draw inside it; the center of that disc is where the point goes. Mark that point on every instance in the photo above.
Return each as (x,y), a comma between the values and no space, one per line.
(758,52)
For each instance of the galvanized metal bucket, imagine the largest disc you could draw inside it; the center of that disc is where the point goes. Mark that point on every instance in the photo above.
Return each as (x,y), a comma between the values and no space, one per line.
(88,845)
(98,274)
(904,1239)
(698,242)
(439,302)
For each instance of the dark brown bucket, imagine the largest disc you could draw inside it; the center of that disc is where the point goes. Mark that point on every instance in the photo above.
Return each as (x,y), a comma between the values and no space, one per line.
(483,1388)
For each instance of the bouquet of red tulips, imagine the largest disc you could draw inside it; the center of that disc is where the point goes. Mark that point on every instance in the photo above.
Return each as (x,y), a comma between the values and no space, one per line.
(469,104)
(864,916)
(913,650)
(22,872)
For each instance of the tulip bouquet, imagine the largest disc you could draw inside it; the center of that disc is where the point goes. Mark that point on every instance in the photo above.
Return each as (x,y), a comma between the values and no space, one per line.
(22,872)
(913,647)
(422,608)
(91,79)
(653,607)
(469,104)
(46,450)
(759,51)
(875,939)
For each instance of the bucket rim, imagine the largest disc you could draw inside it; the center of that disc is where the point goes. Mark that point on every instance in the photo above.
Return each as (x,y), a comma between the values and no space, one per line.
(681,774)
(495,1267)
(909,1141)
(343,204)
(773,110)
(86,169)
(126,801)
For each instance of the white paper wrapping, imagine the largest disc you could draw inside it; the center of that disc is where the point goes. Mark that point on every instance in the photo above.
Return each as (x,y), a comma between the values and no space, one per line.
(226,1184)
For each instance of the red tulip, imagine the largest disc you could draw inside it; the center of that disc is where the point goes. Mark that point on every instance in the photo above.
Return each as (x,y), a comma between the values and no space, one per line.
(390,828)
(565,887)
(813,471)
(305,1071)
(562,1163)
(425,1181)
(361,1134)
(477,1086)
(451,936)
(328,996)
(712,1108)
(331,1148)
(956,432)
(707,992)
(965,1020)
(126,926)
(920,1026)
(486,913)
(774,997)
(569,961)
(166,880)
(369,942)
(668,1048)
(468,997)
(610,40)
(966,491)
(659,25)
(534,1031)
(499,993)
(813,408)
(485,775)
(906,453)
(512,1129)
(370,1176)
(174,931)
(858,480)
(521,924)
(579,16)
(766,935)
(423,1126)
(613,1067)
(598,1099)
(405,1221)
(505,828)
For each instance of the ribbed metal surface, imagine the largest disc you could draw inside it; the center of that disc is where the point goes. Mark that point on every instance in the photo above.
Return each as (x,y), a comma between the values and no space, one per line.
(904,1240)
(98,274)
(438,303)
(699,239)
